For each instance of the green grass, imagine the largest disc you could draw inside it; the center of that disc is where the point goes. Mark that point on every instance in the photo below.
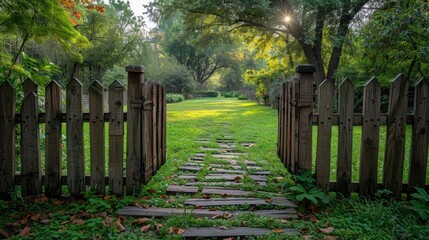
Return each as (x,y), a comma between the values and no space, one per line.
(353,218)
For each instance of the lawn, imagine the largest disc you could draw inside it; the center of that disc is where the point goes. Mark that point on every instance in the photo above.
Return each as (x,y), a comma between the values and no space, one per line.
(93,217)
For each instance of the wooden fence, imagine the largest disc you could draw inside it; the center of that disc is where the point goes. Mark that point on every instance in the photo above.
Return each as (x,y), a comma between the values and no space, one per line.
(296,118)
(146,137)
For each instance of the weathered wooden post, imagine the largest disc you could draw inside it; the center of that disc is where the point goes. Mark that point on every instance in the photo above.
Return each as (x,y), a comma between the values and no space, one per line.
(7,139)
(304,103)
(135,101)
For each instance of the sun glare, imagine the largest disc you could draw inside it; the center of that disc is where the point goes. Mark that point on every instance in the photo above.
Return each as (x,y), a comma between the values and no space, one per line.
(287,19)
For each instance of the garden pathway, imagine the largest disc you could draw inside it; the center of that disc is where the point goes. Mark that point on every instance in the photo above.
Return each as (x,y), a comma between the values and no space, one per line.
(212,179)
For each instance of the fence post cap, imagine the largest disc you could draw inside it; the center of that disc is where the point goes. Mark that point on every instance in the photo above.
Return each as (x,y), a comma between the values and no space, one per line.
(306,68)
(135,68)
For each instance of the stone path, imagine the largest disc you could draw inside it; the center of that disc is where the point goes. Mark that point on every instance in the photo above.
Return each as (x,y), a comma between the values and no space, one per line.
(216,175)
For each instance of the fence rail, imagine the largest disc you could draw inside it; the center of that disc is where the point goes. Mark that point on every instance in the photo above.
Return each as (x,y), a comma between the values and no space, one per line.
(296,118)
(146,139)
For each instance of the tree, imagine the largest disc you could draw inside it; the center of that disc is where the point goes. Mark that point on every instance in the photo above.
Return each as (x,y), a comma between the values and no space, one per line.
(203,52)
(309,22)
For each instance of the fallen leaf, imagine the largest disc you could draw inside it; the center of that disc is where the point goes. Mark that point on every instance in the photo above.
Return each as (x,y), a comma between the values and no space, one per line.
(284,221)
(180,206)
(141,221)
(224,195)
(58,202)
(312,218)
(226,215)
(136,204)
(151,191)
(268,200)
(207,196)
(180,231)
(175,230)
(278,230)
(330,238)
(4,233)
(237,179)
(107,197)
(212,209)
(147,198)
(44,199)
(145,228)
(25,232)
(171,200)
(327,230)
(278,179)
(223,228)
(198,207)
(145,206)
(307,237)
(163,196)
(35,217)
(158,227)
(121,227)
(78,221)
(230,238)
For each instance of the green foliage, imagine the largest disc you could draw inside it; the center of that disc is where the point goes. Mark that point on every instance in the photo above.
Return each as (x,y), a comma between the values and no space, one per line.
(174,98)
(305,191)
(420,203)
(230,94)
(242,97)
(214,94)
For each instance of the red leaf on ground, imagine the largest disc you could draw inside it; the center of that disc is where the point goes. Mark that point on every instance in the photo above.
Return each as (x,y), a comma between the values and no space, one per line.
(198,207)
(4,233)
(151,191)
(35,217)
(207,196)
(237,179)
(107,197)
(327,230)
(141,221)
(58,202)
(147,198)
(44,199)
(158,226)
(268,200)
(78,221)
(118,223)
(163,196)
(25,232)
(278,230)
(145,228)
(226,215)
(145,206)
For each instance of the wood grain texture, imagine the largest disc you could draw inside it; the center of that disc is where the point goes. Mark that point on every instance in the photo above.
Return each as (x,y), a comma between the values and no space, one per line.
(149,131)
(345,137)
(174,189)
(164,125)
(53,127)
(135,132)
(7,139)
(304,124)
(159,126)
(97,137)
(395,143)
(420,135)
(370,139)
(75,143)
(324,133)
(31,171)
(214,232)
(116,138)
(276,201)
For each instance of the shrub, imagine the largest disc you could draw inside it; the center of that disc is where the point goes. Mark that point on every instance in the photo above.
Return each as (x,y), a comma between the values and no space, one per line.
(205,94)
(242,97)
(173,98)
(230,94)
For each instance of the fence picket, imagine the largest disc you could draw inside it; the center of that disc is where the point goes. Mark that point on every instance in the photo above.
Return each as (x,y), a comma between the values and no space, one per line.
(159,126)
(164,125)
(345,138)
(395,143)
(7,139)
(135,133)
(148,119)
(324,132)
(97,143)
(75,143)
(53,128)
(116,138)
(31,172)
(420,135)
(370,139)
(153,127)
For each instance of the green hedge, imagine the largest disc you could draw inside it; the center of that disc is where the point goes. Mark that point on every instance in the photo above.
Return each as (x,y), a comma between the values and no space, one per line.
(242,97)
(230,94)
(205,94)
(173,98)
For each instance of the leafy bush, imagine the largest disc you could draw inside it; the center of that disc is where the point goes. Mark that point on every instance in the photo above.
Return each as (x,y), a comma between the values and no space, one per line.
(173,98)
(205,94)
(420,203)
(305,191)
(242,97)
(230,94)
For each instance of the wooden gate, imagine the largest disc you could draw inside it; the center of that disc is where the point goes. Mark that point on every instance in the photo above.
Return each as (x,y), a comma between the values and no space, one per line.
(296,118)
(145,142)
